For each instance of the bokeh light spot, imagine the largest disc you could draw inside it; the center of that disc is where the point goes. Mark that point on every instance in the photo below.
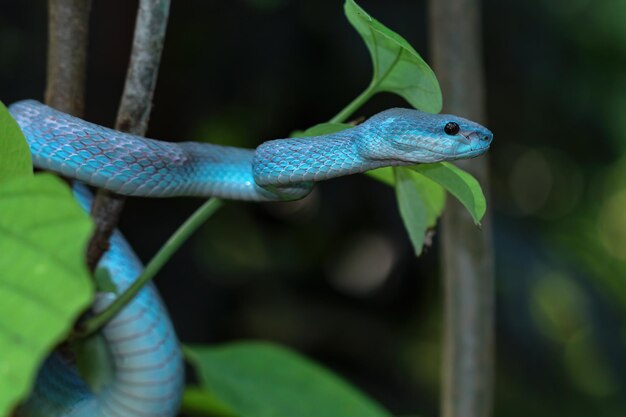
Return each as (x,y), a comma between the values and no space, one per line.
(364,265)
(612,224)
(530,182)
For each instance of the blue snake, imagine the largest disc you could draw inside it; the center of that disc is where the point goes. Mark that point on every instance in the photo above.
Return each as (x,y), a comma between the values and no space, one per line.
(146,377)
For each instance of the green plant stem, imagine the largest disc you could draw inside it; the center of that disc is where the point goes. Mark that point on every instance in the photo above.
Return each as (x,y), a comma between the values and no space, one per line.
(355,104)
(94,323)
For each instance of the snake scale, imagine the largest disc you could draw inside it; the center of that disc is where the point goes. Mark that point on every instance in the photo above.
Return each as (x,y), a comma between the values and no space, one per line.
(146,377)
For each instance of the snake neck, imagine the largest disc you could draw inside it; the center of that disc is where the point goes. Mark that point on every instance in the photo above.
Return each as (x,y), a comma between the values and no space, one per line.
(290,161)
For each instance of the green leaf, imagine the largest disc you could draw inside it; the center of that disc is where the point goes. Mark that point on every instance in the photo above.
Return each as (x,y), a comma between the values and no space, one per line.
(14,151)
(398,68)
(198,401)
(266,380)
(412,209)
(433,194)
(420,202)
(321,129)
(94,362)
(44,283)
(459,183)
(103,282)
(384,175)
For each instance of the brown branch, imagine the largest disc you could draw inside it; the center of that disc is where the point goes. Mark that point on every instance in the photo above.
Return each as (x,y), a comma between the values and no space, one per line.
(68,28)
(136,102)
(133,112)
(467,262)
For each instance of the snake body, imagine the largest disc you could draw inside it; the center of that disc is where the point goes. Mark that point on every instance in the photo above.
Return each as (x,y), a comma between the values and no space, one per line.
(146,375)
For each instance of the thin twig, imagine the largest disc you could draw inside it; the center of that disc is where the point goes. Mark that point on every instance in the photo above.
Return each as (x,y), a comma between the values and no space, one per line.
(467,261)
(133,112)
(68,28)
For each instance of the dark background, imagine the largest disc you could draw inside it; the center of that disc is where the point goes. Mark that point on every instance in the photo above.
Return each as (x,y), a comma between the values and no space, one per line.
(334,275)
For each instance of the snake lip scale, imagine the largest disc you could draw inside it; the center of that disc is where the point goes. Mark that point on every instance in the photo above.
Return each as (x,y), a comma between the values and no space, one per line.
(144,362)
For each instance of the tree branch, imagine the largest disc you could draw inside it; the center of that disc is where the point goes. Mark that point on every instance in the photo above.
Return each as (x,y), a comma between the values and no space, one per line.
(133,112)
(68,27)
(468,358)
(136,102)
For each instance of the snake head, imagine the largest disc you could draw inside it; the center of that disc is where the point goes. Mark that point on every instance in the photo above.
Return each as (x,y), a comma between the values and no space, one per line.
(409,136)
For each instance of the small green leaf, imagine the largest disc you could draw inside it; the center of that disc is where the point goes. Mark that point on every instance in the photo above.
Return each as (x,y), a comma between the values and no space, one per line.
(412,209)
(94,362)
(398,68)
(266,380)
(44,282)
(15,158)
(433,194)
(321,129)
(420,202)
(459,183)
(103,281)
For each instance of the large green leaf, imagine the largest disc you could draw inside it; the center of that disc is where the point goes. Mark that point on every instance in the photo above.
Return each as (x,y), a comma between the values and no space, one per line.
(459,183)
(198,401)
(14,151)
(420,202)
(398,68)
(44,283)
(265,380)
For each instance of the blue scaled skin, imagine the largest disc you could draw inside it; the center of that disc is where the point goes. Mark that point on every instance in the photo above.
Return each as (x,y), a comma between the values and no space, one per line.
(277,170)
(391,138)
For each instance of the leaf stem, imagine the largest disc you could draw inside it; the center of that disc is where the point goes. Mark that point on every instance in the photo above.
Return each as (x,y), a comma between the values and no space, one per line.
(362,98)
(355,104)
(95,323)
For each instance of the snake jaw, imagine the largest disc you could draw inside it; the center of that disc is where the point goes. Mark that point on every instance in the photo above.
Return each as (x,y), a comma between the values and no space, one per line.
(475,143)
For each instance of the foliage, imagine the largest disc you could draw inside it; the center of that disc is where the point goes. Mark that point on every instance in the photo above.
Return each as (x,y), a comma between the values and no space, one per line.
(420,202)
(44,284)
(459,183)
(398,68)
(15,158)
(267,380)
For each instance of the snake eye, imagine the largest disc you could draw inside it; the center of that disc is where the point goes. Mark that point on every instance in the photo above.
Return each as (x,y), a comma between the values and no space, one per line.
(451,128)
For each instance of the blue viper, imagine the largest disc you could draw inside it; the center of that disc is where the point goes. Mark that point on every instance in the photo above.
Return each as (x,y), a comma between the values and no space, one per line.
(146,365)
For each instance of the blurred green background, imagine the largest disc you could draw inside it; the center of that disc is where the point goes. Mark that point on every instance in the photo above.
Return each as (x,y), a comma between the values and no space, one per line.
(334,275)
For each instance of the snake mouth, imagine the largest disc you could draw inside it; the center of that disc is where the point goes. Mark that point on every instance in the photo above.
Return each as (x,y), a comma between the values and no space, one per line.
(442,156)
(471,154)
(478,143)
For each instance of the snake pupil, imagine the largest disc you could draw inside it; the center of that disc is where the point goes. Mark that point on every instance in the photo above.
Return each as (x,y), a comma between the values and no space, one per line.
(451,128)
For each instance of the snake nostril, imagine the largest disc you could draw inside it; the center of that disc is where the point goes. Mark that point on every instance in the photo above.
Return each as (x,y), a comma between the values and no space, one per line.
(485,138)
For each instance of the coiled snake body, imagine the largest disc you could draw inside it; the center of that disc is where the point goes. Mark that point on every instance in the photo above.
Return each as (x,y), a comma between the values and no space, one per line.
(146,365)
